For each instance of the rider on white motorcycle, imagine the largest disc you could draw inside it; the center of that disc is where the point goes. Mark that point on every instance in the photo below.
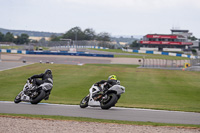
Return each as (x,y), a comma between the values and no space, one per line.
(46,83)
(112,80)
(104,94)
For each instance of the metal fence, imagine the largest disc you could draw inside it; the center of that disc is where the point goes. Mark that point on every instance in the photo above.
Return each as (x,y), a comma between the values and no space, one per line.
(77,43)
(164,63)
(195,62)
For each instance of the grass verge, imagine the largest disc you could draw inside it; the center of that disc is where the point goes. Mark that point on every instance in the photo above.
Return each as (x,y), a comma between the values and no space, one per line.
(141,55)
(82,119)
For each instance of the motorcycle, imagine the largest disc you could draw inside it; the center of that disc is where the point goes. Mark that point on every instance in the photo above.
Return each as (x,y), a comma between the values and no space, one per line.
(105,100)
(31,93)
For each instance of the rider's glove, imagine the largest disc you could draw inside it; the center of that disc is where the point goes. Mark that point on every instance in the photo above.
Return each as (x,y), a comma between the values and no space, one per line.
(105,83)
(29,79)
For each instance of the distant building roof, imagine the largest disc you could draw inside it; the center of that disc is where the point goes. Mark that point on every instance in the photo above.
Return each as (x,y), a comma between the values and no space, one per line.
(178,30)
(164,36)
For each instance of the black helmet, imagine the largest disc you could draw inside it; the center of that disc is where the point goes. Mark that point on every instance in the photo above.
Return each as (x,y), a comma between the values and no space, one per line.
(48,71)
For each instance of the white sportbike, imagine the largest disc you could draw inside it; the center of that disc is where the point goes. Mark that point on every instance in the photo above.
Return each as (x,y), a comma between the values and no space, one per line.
(31,93)
(105,100)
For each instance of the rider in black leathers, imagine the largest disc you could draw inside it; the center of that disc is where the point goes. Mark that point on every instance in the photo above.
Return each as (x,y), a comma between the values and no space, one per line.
(112,80)
(46,83)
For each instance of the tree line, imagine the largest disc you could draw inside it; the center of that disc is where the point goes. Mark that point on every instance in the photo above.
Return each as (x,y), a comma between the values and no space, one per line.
(9,37)
(76,34)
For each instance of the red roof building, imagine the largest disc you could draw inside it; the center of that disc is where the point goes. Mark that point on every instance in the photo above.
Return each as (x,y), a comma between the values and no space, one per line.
(178,39)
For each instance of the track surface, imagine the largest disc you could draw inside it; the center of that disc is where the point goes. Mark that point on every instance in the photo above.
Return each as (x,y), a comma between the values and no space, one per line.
(115,113)
(61,59)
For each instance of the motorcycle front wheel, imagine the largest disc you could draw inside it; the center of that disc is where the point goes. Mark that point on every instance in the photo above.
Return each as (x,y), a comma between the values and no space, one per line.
(84,102)
(110,101)
(17,99)
(39,98)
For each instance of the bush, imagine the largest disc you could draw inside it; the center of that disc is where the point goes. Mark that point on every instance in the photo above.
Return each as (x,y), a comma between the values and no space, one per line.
(194,51)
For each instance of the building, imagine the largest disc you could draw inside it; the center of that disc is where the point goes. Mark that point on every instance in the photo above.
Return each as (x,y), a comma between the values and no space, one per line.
(176,41)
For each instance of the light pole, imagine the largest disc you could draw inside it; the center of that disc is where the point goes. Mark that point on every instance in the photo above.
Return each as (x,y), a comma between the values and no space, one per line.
(76,38)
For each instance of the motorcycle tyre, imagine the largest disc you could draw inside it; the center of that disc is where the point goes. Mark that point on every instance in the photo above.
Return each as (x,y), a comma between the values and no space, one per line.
(86,104)
(17,100)
(110,103)
(39,98)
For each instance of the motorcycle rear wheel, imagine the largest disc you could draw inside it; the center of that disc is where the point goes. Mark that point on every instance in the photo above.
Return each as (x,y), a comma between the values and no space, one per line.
(39,98)
(110,101)
(84,102)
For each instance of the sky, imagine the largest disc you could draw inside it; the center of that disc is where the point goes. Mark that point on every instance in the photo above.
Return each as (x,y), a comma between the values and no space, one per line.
(117,17)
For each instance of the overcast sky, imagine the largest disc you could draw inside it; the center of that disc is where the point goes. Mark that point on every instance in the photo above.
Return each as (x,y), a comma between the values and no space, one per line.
(117,17)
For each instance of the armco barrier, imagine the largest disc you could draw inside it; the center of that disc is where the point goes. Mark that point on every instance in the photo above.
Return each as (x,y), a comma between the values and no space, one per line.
(66,53)
(54,53)
(161,53)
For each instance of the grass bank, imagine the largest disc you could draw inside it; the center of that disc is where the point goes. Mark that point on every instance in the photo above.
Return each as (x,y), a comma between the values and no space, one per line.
(145,88)
(19,47)
(141,55)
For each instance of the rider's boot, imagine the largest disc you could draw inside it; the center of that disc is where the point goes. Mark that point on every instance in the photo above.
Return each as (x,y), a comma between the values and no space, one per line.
(47,96)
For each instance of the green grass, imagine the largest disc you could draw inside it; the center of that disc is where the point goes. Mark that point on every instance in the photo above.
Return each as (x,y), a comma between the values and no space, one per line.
(141,55)
(83,119)
(19,47)
(145,88)
(11,47)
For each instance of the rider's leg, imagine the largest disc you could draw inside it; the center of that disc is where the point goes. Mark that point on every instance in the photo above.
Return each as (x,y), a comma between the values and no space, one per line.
(38,82)
(47,87)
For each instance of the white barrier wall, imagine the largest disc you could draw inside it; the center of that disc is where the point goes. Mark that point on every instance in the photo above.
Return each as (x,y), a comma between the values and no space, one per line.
(161,53)
(14,51)
(149,49)
(172,49)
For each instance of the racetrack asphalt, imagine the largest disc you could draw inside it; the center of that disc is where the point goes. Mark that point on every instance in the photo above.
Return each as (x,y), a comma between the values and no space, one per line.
(11,65)
(115,113)
(63,59)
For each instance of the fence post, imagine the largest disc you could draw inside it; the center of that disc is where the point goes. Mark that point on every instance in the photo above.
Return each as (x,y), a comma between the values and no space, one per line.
(143,61)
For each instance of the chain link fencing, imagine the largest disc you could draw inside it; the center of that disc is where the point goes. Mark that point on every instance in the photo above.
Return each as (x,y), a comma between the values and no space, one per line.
(105,44)
(190,65)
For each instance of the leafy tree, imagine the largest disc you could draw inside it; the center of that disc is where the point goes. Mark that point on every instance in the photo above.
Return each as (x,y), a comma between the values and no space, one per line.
(1,37)
(74,34)
(55,38)
(193,38)
(89,34)
(24,38)
(17,40)
(8,37)
(103,36)
(135,44)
